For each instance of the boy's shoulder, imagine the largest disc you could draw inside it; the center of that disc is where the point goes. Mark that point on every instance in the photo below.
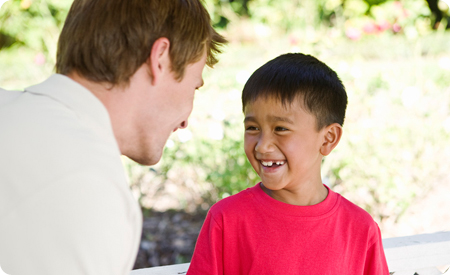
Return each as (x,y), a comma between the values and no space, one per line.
(234,203)
(354,213)
(247,202)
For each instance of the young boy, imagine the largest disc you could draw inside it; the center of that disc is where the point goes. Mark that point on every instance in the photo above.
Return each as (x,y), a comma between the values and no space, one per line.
(290,222)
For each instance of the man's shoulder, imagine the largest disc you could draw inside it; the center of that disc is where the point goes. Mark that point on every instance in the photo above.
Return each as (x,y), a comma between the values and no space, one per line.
(38,123)
(48,113)
(25,109)
(7,96)
(53,144)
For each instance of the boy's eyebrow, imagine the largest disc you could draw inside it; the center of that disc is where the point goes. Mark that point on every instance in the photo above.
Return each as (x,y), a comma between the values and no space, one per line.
(279,118)
(249,118)
(271,118)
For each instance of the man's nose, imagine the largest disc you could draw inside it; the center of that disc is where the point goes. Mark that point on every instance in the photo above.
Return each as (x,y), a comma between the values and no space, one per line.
(183,124)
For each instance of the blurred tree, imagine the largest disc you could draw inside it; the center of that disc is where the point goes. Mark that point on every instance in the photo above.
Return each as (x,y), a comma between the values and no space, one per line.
(438,14)
(240,6)
(374,2)
(323,11)
(223,162)
(6,40)
(34,24)
(220,10)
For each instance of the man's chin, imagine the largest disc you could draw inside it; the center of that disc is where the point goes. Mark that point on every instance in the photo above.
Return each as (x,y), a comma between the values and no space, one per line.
(150,159)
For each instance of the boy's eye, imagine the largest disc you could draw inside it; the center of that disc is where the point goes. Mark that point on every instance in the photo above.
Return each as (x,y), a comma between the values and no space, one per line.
(280,129)
(251,128)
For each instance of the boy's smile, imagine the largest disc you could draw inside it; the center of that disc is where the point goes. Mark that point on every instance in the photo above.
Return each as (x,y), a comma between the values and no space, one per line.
(271,163)
(283,145)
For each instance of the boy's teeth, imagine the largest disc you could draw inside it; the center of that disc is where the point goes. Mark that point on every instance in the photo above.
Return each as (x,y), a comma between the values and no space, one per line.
(270,163)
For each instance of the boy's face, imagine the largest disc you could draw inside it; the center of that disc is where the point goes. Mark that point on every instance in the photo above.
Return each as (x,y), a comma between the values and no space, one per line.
(283,144)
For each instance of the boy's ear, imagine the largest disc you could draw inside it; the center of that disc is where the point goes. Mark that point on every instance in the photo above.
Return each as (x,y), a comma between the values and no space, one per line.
(332,136)
(159,61)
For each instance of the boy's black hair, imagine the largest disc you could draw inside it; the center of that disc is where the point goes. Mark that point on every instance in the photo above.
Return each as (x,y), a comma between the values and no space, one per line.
(295,75)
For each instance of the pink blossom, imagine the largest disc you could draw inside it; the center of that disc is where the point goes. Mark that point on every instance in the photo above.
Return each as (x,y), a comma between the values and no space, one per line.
(383,25)
(398,5)
(401,9)
(370,27)
(353,33)
(396,27)
(39,59)
(293,40)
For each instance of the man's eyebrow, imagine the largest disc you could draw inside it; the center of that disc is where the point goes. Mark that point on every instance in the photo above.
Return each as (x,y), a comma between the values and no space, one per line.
(279,118)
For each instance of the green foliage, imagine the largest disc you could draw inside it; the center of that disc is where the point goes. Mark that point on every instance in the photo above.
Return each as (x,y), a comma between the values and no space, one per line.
(375,2)
(290,14)
(33,23)
(394,135)
(223,162)
(395,69)
(29,31)
(355,8)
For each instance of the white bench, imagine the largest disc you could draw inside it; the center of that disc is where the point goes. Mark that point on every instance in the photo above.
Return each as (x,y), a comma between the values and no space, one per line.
(177,269)
(420,254)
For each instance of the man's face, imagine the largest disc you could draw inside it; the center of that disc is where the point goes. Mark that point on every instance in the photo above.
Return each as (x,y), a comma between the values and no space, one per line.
(171,106)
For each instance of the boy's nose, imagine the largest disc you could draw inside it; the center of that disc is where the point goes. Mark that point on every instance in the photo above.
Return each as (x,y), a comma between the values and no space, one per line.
(264,145)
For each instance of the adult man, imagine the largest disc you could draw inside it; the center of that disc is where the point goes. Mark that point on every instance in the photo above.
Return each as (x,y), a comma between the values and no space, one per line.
(126,76)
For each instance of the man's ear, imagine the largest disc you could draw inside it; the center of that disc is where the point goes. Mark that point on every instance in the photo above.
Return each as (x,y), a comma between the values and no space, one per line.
(159,61)
(331,136)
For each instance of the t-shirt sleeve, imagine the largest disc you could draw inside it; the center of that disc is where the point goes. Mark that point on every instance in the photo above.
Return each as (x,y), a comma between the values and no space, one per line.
(375,263)
(208,253)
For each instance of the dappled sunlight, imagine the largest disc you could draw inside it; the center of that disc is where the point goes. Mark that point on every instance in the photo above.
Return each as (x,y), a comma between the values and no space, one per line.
(393,158)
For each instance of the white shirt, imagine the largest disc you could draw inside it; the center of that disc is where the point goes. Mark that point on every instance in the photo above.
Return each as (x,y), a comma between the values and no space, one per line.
(65,204)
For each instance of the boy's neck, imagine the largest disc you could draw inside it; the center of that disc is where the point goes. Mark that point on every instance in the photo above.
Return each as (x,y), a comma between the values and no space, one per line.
(304,196)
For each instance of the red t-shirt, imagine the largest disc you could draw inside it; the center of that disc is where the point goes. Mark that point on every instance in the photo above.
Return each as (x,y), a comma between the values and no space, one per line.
(252,233)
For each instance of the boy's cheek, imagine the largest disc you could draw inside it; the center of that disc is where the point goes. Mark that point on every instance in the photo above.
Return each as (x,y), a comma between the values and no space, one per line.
(248,148)
(255,165)
(249,153)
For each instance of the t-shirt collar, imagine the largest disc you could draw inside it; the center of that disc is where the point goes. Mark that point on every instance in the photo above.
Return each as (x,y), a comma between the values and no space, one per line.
(311,212)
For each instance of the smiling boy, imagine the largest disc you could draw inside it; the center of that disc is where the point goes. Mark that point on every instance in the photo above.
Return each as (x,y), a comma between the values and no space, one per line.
(290,222)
